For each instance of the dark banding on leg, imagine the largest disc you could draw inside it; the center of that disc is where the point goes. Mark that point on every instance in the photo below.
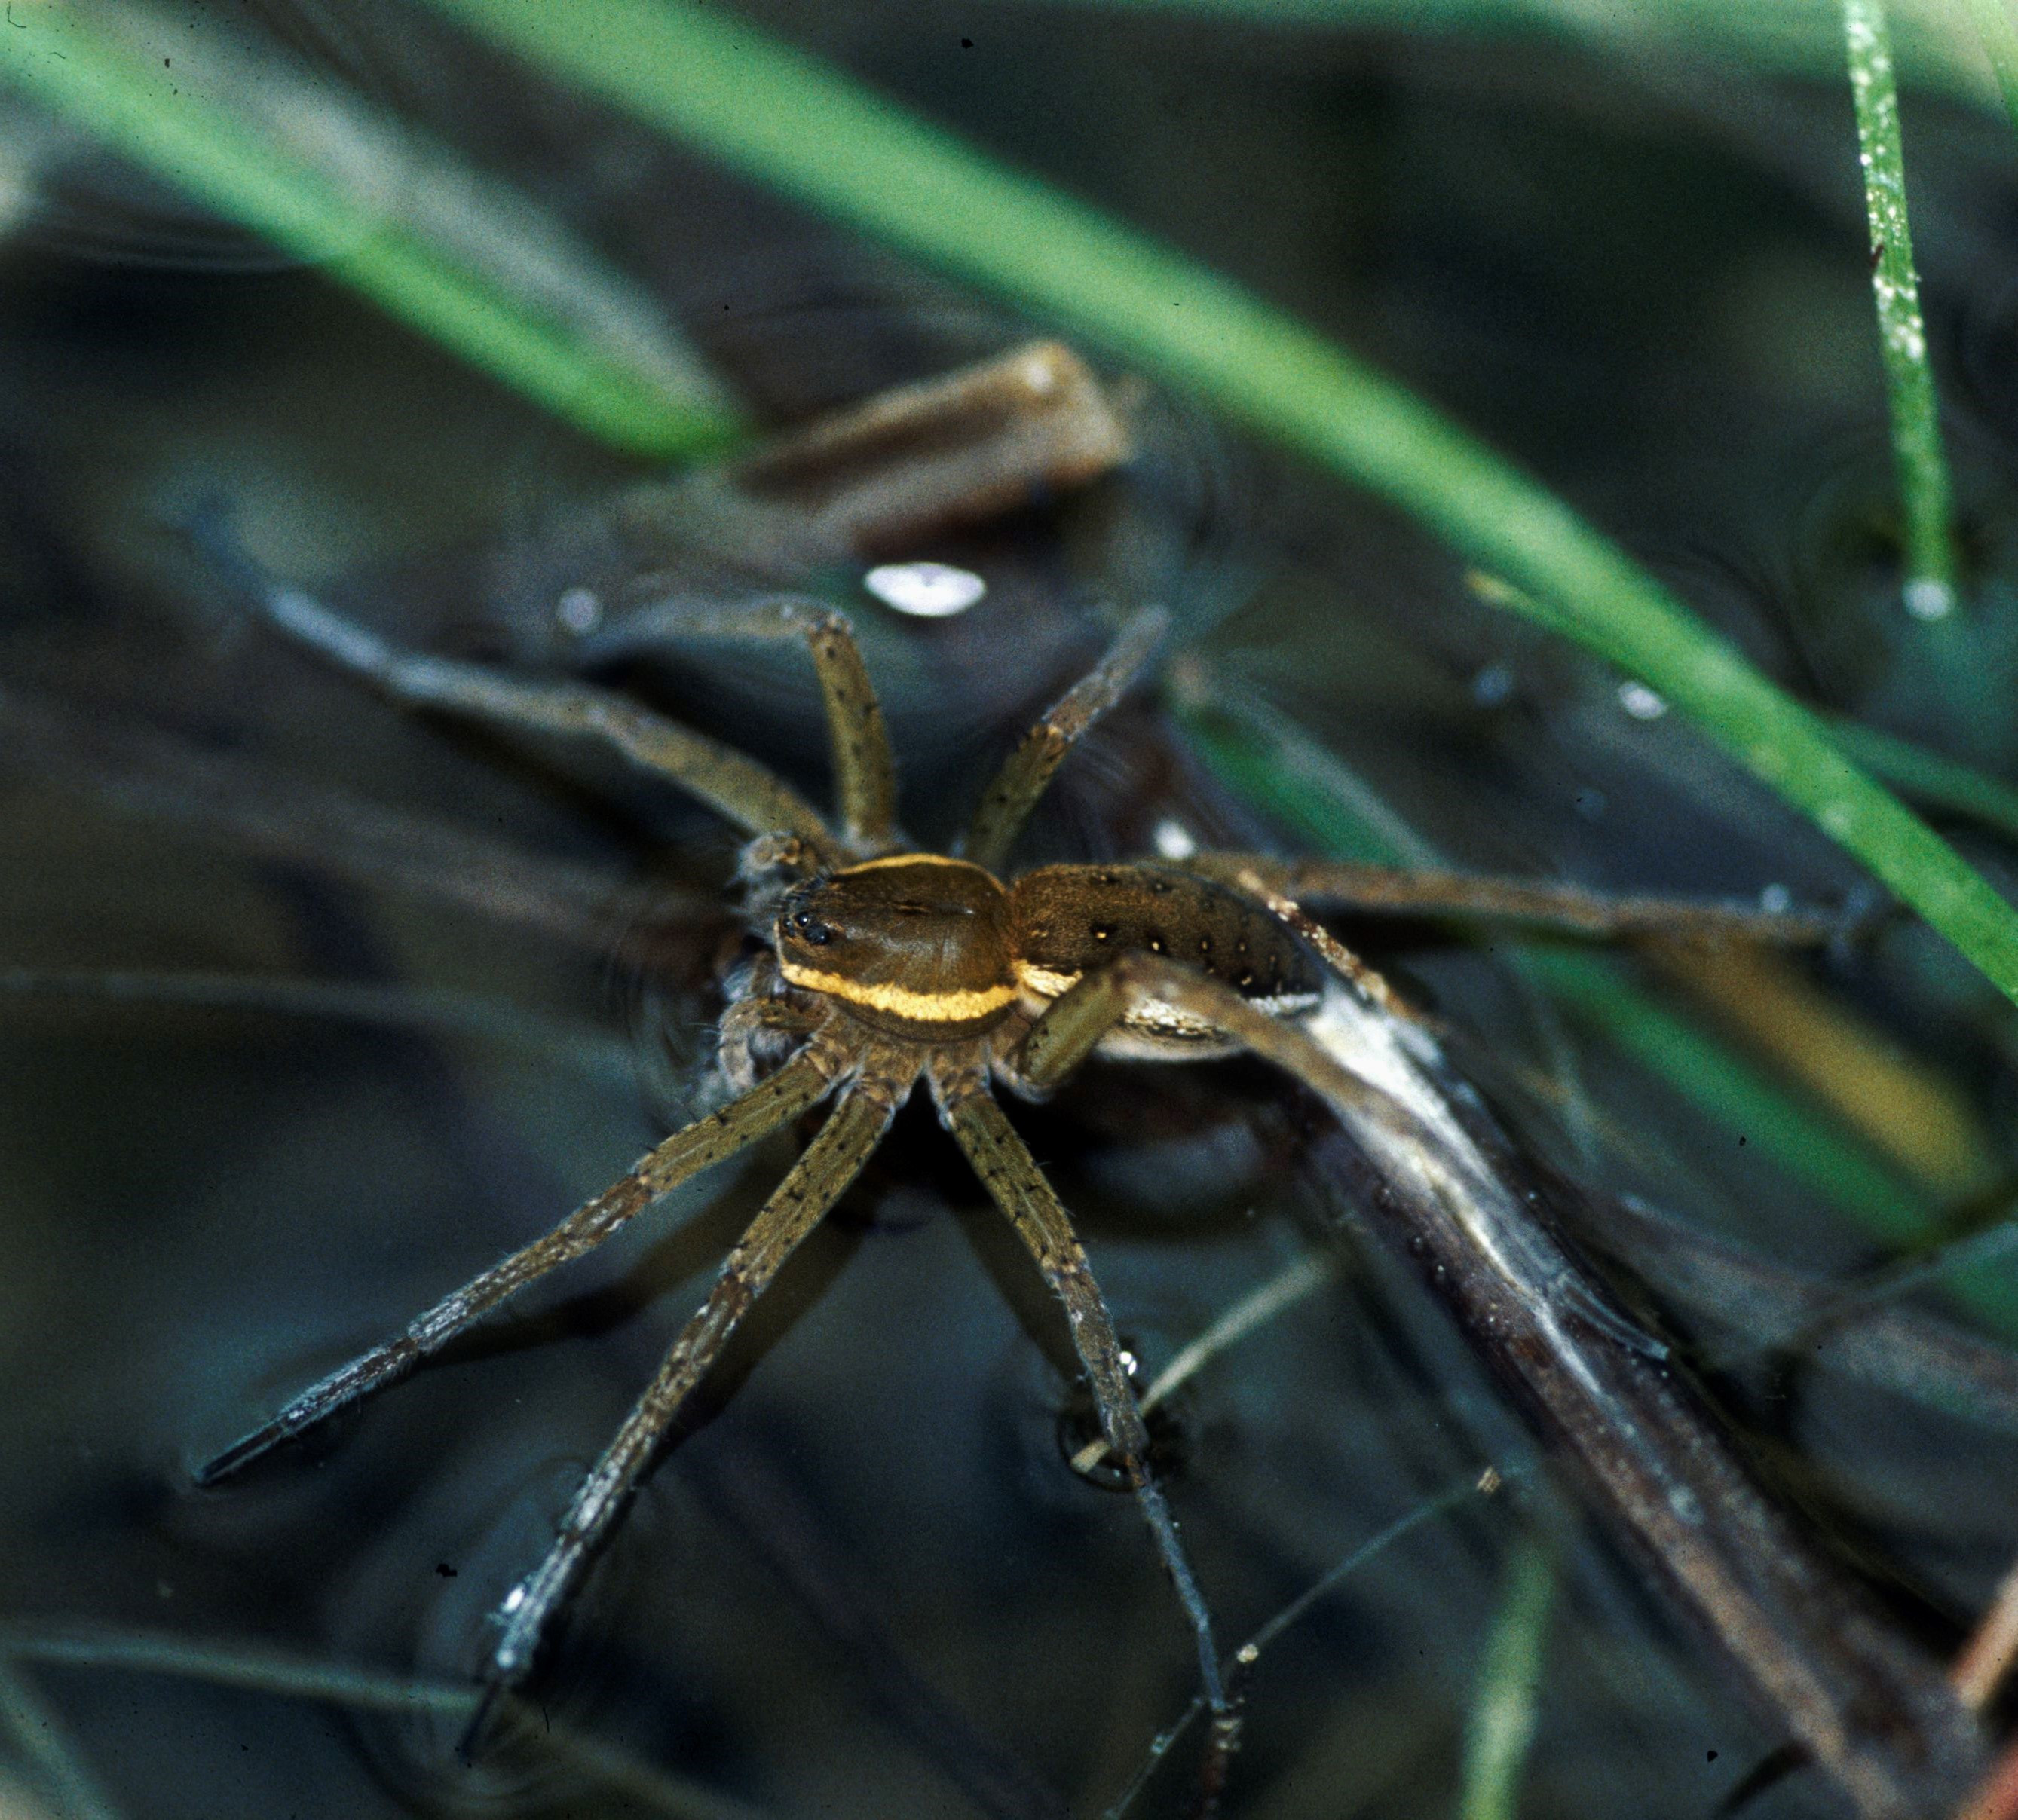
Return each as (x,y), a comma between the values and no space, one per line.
(738,790)
(1011,1174)
(800,1084)
(800,1201)
(1014,791)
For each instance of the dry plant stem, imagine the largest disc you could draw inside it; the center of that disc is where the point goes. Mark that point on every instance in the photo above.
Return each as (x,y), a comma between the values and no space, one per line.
(1612,1403)
(160,779)
(947,451)
(1762,1306)
(1987,1659)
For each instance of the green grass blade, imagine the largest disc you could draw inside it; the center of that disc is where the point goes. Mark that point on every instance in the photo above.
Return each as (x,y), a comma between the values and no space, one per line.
(102,73)
(1281,770)
(1999,40)
(790,122)
(1895,283)
(1501,1723)
(1931,778)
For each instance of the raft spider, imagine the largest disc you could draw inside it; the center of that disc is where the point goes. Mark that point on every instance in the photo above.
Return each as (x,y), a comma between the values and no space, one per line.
(884,965)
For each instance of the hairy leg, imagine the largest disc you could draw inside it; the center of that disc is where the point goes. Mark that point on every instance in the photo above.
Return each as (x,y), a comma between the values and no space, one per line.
(864,772)
(1012,1177)
(1008,802)
(1397,890)
(800,1201)
(801,1083)
(738,790)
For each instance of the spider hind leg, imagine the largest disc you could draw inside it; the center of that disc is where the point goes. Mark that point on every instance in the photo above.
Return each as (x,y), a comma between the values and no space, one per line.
(1017,1185)
(819,1177)
(801,1083)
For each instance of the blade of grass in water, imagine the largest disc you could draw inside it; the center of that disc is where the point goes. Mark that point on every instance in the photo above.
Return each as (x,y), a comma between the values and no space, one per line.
(1999,40)
(546,323)
(790,122)
(1946,783)
(1895,283)
(1794,38)
(1502,1724)
(1940,781)
(1284,771)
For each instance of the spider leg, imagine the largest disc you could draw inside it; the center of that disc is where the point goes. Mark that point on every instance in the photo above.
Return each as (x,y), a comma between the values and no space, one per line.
(751,1026)
(1073,1024)
(801,1083)
(1008,800)
(1404,891)
(738,788)
(865,773)
(800,1201)
(1649,1454)
(1012,1177)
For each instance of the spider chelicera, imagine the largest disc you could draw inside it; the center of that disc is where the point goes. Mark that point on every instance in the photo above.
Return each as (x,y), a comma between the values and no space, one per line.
(883,967)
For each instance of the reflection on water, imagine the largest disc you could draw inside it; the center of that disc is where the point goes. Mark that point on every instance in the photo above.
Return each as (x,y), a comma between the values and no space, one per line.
(868,1579)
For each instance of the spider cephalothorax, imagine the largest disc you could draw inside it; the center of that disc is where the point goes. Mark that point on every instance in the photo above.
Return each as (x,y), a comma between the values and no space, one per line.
(883,966)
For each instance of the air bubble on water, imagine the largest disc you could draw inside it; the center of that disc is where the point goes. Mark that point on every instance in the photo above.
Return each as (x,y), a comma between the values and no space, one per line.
(1927,599)
(926,590)
(1640,701)
(579,610)
(1493,685)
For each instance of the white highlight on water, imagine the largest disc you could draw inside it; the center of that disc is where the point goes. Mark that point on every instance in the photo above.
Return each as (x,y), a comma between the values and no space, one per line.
(926,590)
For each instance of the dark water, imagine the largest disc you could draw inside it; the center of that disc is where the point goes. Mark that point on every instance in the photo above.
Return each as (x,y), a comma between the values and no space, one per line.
(867,1581)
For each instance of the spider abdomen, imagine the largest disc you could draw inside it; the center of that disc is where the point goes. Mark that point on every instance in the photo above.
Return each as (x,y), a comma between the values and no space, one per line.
(1068,919)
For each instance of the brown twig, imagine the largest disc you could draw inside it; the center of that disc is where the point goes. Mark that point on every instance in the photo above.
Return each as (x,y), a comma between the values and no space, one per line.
(1986,1658)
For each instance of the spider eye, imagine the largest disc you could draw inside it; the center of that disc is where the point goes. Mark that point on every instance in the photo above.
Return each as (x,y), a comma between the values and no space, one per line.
(810,930)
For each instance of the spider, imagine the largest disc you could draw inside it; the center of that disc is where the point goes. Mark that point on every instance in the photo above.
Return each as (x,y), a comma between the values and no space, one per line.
(881,967)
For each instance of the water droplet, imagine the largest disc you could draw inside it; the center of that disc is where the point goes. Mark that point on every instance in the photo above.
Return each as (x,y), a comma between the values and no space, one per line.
(926,590)
(1640,701)
(1172,840)
(1777,899)
(1493,685)
(1928,599)
(579,611)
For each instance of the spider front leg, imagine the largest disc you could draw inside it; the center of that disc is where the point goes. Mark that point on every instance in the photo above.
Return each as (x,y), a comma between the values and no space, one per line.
(741,791)
(1012,1177)
(800,1201)
(801,1083)
(864,771)
(1014,791)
